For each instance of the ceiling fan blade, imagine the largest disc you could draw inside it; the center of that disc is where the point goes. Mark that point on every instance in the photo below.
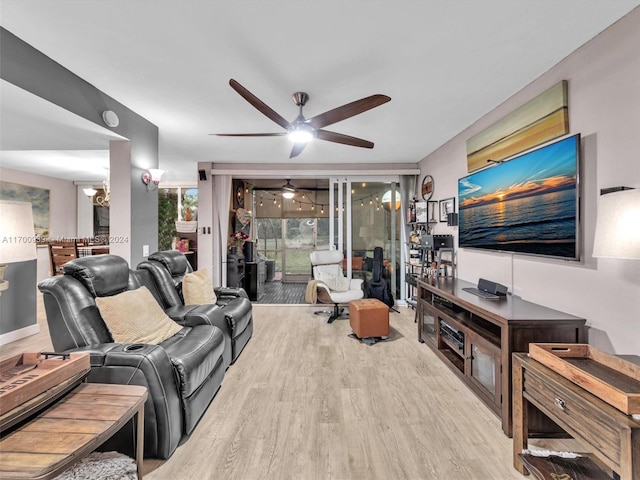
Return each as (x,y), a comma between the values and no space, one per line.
(259,104)
(249,134)
(348,110)
(341,138)
(297,149)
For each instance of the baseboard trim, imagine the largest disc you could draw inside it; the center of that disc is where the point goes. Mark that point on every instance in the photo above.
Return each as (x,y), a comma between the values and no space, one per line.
(18,334)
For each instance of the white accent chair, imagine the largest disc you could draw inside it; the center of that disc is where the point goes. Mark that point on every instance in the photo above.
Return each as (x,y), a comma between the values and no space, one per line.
(332,286)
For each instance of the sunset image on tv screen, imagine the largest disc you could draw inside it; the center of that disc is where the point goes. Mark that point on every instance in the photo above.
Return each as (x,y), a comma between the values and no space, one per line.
(524,205)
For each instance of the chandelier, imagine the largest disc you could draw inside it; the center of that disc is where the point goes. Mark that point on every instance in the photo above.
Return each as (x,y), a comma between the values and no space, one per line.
(104,199)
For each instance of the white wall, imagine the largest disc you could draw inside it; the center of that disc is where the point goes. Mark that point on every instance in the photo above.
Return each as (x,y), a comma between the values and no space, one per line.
(62,199)
(62,208)
(604,106)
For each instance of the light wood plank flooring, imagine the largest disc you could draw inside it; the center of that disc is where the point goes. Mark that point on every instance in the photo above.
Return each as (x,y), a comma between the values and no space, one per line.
(306,401)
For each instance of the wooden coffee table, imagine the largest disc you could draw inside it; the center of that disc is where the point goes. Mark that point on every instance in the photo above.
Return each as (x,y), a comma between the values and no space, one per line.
(70,429)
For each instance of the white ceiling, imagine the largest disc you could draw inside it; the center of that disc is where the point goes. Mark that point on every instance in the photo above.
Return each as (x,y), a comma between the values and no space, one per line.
(38,136)
(444,64)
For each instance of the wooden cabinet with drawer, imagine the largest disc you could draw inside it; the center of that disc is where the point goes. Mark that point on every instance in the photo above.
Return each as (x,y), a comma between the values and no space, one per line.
(475,337)
(608,433)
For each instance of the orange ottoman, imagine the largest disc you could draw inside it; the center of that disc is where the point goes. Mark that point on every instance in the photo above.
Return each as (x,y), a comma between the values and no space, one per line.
(369,317)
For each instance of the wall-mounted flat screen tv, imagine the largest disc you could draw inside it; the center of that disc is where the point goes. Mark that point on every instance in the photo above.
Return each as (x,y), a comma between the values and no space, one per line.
(526,205)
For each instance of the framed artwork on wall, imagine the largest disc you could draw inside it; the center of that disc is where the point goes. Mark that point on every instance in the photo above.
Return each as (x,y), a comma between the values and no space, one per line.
(433,208)
(448,205)
(39,200)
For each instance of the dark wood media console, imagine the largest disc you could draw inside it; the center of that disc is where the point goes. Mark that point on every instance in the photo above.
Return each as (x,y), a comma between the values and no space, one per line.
(475,337)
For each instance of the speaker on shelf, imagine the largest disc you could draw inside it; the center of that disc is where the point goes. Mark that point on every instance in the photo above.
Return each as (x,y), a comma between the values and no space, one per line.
(452,219)
(247,251)
(492,287)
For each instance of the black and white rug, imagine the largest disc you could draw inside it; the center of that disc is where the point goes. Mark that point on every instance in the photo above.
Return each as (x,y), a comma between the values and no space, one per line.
(102,466)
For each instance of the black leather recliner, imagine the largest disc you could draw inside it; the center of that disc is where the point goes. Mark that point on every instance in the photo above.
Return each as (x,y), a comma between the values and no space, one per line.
(182,374)
(168,268)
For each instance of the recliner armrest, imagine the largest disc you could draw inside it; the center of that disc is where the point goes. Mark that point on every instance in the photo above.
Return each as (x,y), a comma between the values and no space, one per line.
(356,284)
(179,313)
(151,367)
(230,292)
(205,315)
(97,353)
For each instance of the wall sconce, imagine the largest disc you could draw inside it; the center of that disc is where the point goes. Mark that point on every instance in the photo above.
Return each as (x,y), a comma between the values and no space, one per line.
(89,192)
(152,177)
(17,237)
(618,224)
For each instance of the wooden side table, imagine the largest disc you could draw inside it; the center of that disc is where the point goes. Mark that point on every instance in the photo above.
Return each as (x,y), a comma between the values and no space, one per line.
(72,428)
(606,432)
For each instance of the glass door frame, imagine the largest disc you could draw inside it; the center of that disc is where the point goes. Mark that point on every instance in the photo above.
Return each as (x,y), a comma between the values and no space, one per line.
(296,277)
(340,194)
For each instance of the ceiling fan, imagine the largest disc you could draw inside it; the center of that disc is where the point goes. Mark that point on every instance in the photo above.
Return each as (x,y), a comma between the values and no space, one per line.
(302,130)
(288,190)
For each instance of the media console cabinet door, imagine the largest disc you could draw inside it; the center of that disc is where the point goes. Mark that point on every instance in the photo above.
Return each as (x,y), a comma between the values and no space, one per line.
(493,331)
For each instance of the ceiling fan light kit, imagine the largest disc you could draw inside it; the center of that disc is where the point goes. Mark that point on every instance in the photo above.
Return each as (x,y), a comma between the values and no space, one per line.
(288,190)
(302,130)
(301,134)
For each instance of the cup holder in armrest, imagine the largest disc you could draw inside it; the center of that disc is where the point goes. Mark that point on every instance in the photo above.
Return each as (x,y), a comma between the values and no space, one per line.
(134,347)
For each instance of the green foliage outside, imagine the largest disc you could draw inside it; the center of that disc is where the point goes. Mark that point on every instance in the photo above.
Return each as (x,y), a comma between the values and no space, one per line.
(167,216)
(190,202)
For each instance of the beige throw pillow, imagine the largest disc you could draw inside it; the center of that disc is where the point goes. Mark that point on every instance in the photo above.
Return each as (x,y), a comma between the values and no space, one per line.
(134,316)
(197,288)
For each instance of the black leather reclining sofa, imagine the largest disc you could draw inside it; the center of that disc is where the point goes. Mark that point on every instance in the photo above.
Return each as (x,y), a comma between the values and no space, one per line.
(168,269)
(182,373)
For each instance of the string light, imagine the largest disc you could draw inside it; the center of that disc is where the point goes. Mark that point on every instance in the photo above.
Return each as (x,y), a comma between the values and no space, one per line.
(305,199)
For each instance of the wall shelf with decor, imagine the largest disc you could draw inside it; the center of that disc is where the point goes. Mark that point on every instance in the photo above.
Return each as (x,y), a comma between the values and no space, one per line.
(429,257)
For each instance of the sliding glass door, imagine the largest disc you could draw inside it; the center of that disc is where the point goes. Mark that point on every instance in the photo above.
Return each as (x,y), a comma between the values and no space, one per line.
(365,214)
(353,215)
(300,237)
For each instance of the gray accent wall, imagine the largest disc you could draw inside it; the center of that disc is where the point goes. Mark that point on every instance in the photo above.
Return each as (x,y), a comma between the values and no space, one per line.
(18,302)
